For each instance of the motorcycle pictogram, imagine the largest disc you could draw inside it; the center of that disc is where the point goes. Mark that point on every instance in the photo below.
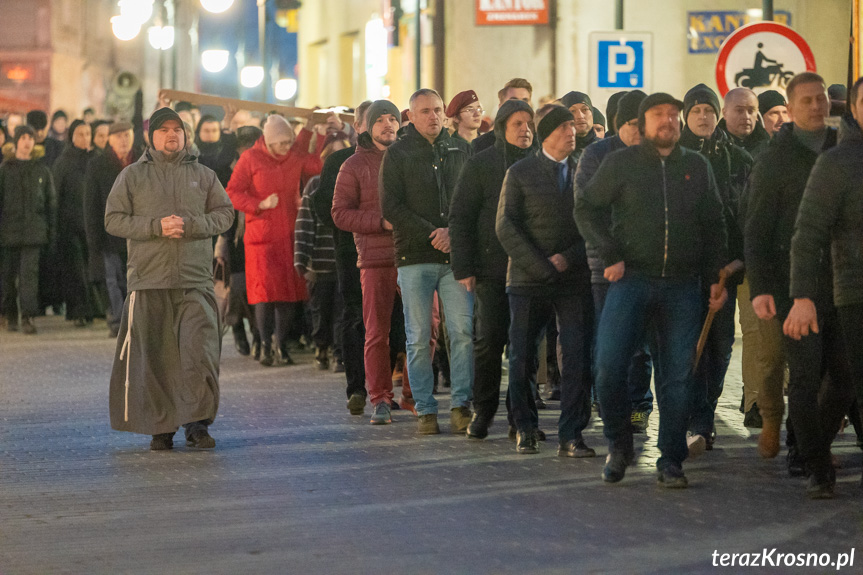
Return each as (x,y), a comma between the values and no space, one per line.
(760,75)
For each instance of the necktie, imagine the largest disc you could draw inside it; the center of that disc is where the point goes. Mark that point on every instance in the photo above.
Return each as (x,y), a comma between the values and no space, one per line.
(561,177)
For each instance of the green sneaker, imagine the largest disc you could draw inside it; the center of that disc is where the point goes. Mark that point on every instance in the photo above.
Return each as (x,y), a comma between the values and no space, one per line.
(427,424)
(357,404)
(381,414)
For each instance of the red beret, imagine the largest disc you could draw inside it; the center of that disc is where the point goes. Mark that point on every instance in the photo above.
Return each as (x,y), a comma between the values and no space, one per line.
(405,115)
(459,101)
(485,125)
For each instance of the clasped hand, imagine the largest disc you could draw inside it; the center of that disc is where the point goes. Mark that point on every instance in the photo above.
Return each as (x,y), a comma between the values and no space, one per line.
(172,227)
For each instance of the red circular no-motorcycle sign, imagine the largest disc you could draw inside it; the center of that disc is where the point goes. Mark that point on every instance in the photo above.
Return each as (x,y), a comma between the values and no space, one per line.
(762,56)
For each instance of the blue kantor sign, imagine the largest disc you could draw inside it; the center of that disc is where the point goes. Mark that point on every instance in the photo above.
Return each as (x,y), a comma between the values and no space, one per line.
(621,64)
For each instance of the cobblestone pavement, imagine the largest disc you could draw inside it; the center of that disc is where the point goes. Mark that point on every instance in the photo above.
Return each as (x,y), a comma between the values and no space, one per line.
(297,485)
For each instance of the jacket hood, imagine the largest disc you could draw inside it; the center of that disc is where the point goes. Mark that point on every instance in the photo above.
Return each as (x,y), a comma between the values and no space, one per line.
(849,130)
(366,145)
(510,152)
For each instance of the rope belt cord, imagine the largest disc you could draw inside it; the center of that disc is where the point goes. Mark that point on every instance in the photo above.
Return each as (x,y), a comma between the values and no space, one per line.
(126,351)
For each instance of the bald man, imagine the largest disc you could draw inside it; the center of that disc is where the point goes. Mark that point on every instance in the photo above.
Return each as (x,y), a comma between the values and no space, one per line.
(740,121)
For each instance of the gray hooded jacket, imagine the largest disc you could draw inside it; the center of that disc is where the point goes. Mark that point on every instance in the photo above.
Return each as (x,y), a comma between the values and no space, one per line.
(154,188)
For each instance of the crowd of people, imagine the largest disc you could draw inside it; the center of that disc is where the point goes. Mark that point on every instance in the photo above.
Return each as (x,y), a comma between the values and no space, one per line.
(434,246)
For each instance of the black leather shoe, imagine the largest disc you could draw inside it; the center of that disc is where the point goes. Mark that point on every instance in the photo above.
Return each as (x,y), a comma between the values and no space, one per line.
(540,404)
(796,467)
(615,466)
(478,427)
(575,448)
(540,434)
(267,357)
(526,442)
(242,345)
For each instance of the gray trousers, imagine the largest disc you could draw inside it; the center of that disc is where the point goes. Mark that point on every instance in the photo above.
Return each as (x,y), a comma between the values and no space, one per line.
(20,282)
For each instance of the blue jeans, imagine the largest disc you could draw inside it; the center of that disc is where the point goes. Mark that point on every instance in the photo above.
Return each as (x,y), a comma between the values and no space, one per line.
(640,368)
(666,313)
(528,316)
(418,283)
(710,376)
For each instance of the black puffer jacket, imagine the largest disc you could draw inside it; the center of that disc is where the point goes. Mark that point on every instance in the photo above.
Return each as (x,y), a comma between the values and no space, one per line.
(101,175)
(28,204)
(475,249)
(70,172)
(662,217)
(582,142)
(773,199)
(755,143)
(219,156)
(417,183)
(534,222)
(831,214)
(731,166)
(321,203)
(588,164)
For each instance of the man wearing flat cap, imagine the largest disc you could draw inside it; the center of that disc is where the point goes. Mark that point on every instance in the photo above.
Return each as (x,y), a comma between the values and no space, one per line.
(465,112)
(582,111)
(547,274)
(104,249)
(654,214)
(166,367)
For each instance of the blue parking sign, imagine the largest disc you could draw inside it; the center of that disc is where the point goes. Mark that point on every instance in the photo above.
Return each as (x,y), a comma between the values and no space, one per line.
(620,64)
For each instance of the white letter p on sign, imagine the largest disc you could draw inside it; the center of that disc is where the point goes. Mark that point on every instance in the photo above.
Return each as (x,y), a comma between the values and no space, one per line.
(615,67)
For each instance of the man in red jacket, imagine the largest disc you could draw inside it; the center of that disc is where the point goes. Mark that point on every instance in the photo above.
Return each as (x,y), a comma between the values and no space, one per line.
(357,209)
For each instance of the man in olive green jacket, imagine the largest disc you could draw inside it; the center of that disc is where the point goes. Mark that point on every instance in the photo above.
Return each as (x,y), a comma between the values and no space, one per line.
(166,367)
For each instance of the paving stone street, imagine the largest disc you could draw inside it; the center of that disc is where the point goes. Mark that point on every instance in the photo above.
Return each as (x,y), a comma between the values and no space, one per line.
(297,485)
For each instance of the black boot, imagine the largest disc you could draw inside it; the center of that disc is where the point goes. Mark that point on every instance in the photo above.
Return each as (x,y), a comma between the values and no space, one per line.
(322,358)
(241,342)
(284,356)
(267,358)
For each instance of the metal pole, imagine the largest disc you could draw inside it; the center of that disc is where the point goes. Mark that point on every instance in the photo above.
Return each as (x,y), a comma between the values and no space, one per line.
(618,15)
(419,46)
(767,10)
(262,47)
(553,16)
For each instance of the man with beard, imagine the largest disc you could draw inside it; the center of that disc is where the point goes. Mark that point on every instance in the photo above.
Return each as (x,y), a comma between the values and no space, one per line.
(626,134)
(357,209)
(547,274)
(479,261)
(774,111)
(816,404)
(654,210)
(166,369)
(582,111)
(731,165)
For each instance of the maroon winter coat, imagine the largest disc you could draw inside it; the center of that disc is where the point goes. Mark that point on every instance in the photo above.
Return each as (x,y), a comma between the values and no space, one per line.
(269,235)
(357,206)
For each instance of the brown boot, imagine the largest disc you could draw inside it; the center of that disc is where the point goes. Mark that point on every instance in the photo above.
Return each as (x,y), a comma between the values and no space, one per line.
(768,442)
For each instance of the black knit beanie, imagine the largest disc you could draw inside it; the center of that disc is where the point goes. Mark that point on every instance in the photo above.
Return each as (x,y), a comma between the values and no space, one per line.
(598,118)
(627,107)
(573,98)
(161,116)
(700,94)
(550,122)
(769,100)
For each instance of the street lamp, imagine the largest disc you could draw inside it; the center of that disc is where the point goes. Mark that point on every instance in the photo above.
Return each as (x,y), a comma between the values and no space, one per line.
(161,37)
(216,6)
(286,88)
(214,61)
(125,28)
(252,76)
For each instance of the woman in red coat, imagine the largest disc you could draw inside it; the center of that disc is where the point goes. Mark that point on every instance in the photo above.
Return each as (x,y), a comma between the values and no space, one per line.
(266,185)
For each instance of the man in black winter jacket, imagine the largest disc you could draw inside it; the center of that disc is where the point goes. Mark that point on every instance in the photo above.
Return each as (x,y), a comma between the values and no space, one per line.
(740,121)
(418,177)
(816,404)
(626,134)
(582,110)
(478,260)
(654,210)
(731,165)
(831,218)
(547,272)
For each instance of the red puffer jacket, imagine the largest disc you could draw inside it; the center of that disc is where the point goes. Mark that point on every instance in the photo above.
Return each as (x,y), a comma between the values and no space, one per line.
(269,236)
(357,206)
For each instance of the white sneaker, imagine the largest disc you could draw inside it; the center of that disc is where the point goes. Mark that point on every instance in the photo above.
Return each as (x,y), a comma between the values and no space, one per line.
(697,445)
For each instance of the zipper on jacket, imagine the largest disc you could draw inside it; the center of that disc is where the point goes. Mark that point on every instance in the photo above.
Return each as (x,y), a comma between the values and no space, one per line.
(665,201)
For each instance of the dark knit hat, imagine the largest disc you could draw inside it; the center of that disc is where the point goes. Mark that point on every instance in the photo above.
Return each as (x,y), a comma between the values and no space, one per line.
(117,127)
(183,106)
(700,94)
(552,120)
(598,118)
(74,126)
(657,99)
(21,130)
(611,110)
(460,101)
(248,135)
(159,117)
(627,108)
(769,100)
(378,109)
(572,98)
(37,119)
